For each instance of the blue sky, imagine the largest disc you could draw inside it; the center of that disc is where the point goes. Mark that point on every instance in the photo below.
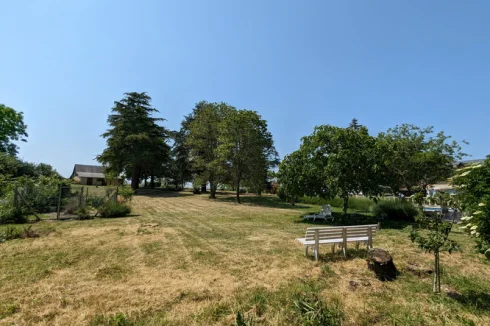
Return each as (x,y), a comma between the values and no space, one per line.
(298,63)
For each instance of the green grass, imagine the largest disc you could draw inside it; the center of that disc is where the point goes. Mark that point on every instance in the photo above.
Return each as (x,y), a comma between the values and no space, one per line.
(188,260)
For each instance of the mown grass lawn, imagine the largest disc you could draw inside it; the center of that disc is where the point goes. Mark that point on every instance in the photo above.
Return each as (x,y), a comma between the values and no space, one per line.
(183,259)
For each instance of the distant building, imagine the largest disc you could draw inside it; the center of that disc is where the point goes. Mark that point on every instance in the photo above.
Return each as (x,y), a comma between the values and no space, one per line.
(92,175)
(462,164)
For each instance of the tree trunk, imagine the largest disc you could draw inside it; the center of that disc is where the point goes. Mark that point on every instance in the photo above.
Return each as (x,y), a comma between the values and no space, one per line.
(212,189)
(238,192)
(152,181)
(437,274)
(346,204)
(144,185)
(135,178)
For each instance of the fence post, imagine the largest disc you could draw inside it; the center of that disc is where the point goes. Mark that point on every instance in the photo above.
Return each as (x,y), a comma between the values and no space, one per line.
(80,198)
(86,197)
(59,203)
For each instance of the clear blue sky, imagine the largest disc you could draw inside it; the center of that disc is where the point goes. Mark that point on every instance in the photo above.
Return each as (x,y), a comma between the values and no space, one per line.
(298,63)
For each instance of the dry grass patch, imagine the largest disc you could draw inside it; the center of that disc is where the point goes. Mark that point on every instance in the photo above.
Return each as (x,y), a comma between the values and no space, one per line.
(188,260)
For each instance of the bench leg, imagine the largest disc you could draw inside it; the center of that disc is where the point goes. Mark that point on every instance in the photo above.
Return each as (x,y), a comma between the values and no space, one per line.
(315,252)
(344,250)
(306,251)
(333,248)
(357,245)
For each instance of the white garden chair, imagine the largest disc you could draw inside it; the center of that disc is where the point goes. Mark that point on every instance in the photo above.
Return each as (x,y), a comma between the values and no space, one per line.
(325,213)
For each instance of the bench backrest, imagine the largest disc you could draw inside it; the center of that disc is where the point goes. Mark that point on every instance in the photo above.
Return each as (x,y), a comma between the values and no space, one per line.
(337,232)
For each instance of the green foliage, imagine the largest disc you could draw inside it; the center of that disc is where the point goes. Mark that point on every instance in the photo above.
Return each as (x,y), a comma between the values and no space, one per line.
(12,167)
(114,209)
(435,239)
(332,162)
(83,213)
(414,156)
(395,210)
(136,144)
(126,193)
(473,185)
(227,146)
(11,232)
(203,128)
(26,196)
(12,129)
(247,147)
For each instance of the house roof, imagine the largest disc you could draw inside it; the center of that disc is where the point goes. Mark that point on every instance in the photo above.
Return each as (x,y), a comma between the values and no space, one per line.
(467,162)
(90,175)
(88,168)
(88,171)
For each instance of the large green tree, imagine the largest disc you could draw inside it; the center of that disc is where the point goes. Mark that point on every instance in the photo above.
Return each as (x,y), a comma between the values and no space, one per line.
(416,157)
(12,128)
(203,130)
(246,147)
(136,142)
(331,162)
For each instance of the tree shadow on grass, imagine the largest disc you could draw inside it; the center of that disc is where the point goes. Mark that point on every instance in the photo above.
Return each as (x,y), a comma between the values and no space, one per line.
(354,219)
(163,193)
(326,256)
(265,201)
(473,300)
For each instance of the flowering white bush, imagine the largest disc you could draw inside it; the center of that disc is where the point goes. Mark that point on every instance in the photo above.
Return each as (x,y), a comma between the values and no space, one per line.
(473,184)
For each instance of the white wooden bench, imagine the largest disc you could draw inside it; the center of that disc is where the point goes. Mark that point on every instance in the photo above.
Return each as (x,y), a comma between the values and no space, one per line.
(340,235)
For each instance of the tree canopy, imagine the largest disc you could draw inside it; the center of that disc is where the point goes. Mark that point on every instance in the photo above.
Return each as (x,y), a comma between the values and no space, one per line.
(246,147)
(414,156)
(136,143)
(331,162)
(335,161)
(12,128)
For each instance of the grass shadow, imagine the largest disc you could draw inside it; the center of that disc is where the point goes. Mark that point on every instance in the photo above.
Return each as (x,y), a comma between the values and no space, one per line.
(338,255)
(473,300)
(158,193)
(265,201)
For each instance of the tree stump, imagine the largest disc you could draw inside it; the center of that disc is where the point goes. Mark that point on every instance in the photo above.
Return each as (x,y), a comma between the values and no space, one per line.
(381,263)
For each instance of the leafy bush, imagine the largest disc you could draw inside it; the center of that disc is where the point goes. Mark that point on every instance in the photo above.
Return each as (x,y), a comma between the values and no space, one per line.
(114,209)
(94,201)
(13,232)
(126,193)
(83,213)
(395,210)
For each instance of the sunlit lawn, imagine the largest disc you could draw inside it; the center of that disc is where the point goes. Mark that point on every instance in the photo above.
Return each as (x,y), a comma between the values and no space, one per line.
(183,259)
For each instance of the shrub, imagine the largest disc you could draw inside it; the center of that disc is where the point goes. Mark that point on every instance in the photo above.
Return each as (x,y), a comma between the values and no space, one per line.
(395,210)
(114,209)
(83,213)
(126,193)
